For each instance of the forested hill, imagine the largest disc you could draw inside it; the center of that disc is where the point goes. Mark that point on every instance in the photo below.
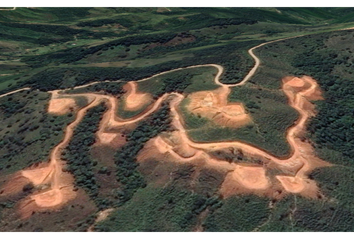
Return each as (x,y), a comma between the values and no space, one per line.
(46,49)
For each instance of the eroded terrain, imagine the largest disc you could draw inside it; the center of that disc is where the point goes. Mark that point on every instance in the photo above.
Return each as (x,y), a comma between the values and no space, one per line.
(259,173)
(55,187)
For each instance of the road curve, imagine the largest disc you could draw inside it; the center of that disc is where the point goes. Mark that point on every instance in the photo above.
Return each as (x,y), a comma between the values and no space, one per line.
(110,119)
(15,91)
(12,9)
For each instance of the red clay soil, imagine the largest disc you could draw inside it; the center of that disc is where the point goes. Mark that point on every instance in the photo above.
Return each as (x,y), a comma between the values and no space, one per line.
(59,185)
(56,187)
(61,106)
(252,178)
(133,99)
(214,105)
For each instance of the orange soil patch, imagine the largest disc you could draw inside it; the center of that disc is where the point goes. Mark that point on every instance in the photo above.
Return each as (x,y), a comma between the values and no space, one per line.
(213,105)
(14,185)
(176,143)
(60,189)
(49,200)
(106,138)
(295,82)
(51,193)
(135,100)
(176,146)
(39,174)
(60,106)
(115,140)
(306,187)
(315,93)
(59,184)
(249,178)
(118,141)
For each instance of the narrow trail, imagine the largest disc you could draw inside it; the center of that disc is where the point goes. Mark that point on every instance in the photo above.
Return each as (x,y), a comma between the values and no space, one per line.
(12,9)
(15,91)
(61,189)
(301,160)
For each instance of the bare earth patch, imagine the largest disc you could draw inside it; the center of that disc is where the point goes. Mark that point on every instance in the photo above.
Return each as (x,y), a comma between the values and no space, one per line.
(251,177)
(214,105)
(106,138)
(55,187)
(135,100)
(61,106)
(100,217)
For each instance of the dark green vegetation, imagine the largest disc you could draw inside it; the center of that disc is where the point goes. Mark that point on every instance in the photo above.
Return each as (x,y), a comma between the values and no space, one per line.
(240,214)
(181,81)
(77,153)
(108,88)
(271,117)
(327,58)
(158,210)
(125,158)
(28,132)
(141,41)
(56,48)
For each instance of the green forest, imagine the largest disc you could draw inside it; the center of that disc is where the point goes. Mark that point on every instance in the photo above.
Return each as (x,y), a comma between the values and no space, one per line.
(46,49)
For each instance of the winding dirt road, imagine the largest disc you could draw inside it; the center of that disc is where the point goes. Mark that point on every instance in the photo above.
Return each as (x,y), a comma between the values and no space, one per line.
(15,91)
(301,161)
(12,9)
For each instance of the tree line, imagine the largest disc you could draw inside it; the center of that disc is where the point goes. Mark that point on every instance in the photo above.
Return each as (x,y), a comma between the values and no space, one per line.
(77,53)
(125,157)
(77,154)
(332,127)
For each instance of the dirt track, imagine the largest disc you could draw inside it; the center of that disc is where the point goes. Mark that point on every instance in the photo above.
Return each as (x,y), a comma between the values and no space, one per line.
(12,92)
(253,178)
(214,105)
(12,9)
(133,99)
(301,161)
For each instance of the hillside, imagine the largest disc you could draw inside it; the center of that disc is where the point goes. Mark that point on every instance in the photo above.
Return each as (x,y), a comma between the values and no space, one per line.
(176,119)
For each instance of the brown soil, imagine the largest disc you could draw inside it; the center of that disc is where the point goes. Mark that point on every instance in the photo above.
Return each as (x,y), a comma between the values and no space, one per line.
(213,105)
(106,138)
(251,178)
(133,99)
(57,185)
(61,106)
(14,185)
(100,217)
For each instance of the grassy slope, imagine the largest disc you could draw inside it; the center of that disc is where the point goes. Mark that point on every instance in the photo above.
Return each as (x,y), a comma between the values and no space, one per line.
(29,132)
(327,58)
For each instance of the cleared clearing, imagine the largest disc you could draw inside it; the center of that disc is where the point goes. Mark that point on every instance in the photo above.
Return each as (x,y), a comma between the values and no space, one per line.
(56,187)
